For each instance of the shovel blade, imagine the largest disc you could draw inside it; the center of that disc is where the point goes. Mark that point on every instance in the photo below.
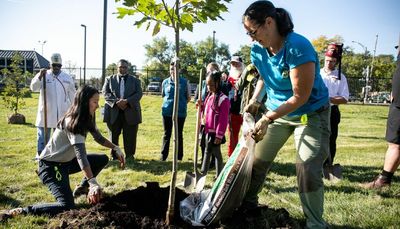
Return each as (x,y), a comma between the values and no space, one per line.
(200,183)
(190,181)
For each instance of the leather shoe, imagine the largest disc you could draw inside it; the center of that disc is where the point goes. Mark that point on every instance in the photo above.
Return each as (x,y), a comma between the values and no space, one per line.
(378,183)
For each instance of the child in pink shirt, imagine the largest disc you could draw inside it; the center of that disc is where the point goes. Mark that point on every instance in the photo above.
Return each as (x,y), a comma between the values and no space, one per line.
(216,109)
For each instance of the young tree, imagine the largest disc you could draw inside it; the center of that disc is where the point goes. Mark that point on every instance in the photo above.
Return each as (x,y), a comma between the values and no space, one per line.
(180,16)
(15,90)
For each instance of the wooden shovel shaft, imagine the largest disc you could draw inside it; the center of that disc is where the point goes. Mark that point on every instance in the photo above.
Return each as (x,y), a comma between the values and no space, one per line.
(198,120)
(45,108)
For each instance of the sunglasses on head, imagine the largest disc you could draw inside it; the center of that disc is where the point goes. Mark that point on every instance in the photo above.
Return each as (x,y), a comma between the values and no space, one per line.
(56,65)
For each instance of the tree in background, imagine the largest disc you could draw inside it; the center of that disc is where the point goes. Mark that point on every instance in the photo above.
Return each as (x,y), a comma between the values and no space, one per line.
(15,90)
(160,52)
(180,16)
(206,50)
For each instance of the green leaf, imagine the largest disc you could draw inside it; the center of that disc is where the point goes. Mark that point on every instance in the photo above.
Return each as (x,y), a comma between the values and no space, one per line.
(141,21)
(156,28)
(122,12)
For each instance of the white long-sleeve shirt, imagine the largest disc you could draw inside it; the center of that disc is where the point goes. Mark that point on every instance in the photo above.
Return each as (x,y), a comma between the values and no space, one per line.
(335,86)
(60,92)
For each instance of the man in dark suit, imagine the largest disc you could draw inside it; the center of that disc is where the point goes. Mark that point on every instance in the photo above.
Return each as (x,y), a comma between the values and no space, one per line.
(122,93)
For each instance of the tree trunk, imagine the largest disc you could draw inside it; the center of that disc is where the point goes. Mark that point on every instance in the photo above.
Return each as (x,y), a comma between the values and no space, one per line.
(171,201)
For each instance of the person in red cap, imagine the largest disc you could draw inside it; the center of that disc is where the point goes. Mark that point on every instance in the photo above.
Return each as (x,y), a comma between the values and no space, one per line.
(338,89)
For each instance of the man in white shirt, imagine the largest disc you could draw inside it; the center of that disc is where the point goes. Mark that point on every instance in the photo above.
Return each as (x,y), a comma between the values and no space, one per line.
(336,83)
(60,92)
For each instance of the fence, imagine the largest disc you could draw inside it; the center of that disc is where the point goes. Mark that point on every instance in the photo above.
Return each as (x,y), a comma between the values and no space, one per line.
(375,87)
(356,84)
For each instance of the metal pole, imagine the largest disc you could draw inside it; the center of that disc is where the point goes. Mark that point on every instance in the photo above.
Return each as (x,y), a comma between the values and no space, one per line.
(213,46)
(42,43)
(373,56)
(103,67)
(366,72)
(84,56)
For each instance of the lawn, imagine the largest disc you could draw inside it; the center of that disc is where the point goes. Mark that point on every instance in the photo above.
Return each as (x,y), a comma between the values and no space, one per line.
(361,150)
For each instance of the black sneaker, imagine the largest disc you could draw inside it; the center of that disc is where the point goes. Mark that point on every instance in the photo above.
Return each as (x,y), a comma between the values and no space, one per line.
(80,190)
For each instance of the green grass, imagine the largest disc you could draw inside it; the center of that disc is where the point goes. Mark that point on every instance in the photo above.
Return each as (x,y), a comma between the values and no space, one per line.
(361,150)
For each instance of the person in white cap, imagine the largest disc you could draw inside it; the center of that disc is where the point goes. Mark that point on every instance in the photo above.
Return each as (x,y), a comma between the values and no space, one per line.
(235,118)
(59,92)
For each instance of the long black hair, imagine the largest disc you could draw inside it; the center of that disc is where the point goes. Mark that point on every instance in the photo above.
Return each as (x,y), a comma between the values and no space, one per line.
(259,11)
(81,121)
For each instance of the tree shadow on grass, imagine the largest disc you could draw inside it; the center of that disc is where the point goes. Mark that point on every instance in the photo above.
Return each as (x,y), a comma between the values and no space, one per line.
(353,173)
(28,124)
(5,200)
(366,137)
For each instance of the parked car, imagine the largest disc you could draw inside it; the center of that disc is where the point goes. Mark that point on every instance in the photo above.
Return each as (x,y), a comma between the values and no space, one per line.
(381,97)
(154,87)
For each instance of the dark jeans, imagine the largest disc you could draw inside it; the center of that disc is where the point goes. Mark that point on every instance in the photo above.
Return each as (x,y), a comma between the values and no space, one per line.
(167,123)
(335,120)
(212,150)
(55,176)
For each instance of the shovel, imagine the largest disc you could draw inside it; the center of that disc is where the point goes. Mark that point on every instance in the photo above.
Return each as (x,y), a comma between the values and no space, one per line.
(195,179)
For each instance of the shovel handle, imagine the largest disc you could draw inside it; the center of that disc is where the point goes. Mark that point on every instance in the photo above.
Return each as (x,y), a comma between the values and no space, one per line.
(198,120)
(45,107)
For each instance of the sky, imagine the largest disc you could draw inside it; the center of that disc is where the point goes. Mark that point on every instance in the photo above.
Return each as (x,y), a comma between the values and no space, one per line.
(26,24)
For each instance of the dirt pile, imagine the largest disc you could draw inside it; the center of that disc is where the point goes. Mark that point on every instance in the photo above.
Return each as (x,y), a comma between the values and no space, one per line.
(145,207)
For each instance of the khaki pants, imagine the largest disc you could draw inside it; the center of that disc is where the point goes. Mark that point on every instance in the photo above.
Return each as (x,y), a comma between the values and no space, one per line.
(312,147)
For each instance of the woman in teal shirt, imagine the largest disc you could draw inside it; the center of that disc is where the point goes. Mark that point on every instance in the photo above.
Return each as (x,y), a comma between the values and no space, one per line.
(297,104)
(167,93)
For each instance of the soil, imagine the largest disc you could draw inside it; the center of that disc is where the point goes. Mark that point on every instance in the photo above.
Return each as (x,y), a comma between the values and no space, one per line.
(145,207)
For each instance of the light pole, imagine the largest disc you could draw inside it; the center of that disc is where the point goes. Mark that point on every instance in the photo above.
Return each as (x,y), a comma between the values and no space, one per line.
(84,56)
(213,46)
(42,43)
(366,71)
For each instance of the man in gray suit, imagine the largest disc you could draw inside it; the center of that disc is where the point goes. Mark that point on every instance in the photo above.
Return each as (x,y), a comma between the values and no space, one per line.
(122,93)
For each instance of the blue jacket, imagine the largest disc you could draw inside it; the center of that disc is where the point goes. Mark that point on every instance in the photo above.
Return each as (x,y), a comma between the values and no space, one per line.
(167,92)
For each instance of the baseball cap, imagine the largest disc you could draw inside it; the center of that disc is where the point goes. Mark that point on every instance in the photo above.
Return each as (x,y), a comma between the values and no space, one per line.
(56,58)
(236,59)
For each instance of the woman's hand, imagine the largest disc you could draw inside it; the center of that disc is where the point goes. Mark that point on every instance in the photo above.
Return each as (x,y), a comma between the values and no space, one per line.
(95,191)
(120,156)
(260,128)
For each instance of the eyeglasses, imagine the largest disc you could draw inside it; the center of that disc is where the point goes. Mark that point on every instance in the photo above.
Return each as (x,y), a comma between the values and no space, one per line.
(122,67)
(254,32)
(56,65)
